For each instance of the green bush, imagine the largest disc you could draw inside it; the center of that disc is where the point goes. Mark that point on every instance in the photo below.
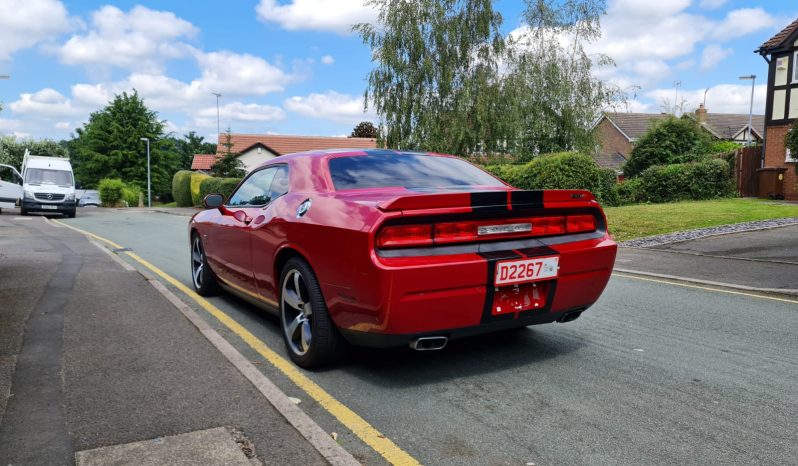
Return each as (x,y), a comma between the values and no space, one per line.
(131,193)
(566,170)
(196,180)
(181,188)
(631,191)
(708,179)
(672,140)
(214,185)
(111,191)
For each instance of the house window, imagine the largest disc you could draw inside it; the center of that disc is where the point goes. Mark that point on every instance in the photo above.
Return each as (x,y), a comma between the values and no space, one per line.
(795,68)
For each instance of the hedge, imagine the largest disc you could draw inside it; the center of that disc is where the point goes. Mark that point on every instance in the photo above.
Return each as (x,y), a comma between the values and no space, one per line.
(131,193)
(214,185)
(181,188)
(567,170)
(707,179)
(196,180)
(111,191)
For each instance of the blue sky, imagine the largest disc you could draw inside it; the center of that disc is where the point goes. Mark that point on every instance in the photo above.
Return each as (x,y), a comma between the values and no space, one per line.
(292,67)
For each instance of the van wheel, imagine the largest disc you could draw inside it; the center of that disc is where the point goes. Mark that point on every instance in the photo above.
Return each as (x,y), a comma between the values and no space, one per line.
(23,211)
(70,214)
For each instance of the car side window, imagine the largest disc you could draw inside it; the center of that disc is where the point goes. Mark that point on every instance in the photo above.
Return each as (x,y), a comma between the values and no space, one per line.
(279,183)
(255,190)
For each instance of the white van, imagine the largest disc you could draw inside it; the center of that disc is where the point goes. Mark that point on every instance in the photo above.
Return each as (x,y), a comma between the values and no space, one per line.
(48,185)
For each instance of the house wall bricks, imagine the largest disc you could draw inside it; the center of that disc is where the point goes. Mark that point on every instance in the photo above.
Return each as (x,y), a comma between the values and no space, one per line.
(611,140)
(775,155)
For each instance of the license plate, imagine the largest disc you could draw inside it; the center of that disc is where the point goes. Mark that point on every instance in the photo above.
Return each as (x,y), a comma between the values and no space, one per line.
(526,270)
(49,207)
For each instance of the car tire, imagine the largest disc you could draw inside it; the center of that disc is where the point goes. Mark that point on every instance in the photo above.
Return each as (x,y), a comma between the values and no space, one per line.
(304,316)
(23,211)
(70,214)
(202,277)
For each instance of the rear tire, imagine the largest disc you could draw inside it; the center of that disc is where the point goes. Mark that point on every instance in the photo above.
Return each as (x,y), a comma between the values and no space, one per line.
(311,337)
(202,277)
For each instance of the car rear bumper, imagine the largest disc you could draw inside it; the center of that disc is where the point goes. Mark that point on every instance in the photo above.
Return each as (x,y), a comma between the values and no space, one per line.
(34,206)
(453,295)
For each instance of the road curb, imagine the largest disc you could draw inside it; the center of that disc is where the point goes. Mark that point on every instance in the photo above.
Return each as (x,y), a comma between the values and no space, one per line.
(783,292)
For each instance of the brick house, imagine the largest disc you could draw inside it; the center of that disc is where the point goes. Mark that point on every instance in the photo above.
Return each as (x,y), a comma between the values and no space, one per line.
(617,133)
(781,110)
(255,149)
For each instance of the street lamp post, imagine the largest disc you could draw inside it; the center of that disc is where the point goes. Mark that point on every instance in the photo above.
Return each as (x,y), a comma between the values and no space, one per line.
(218,128)
(5,76)
(751,108)
(149,189)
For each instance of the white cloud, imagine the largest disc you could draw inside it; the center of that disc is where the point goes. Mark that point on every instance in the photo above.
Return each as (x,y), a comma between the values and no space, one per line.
(46,103)
(712,55)
(240,74)
(321,15)
(723,98)
(237,111)
(62,125)
(712,4)
(340,108)
(141,39)
(743,21)
(25,23)
(327,60)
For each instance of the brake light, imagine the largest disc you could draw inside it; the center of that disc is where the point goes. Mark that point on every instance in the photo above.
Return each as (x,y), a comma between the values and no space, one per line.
(411,235)
(482,230)
(580,223)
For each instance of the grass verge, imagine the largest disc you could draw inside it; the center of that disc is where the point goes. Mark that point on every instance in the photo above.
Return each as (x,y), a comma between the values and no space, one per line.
(636,221)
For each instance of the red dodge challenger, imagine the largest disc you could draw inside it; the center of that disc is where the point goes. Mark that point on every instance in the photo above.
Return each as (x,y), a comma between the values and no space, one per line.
(384,248)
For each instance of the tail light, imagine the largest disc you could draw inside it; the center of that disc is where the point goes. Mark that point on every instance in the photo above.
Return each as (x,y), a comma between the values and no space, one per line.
(482,230)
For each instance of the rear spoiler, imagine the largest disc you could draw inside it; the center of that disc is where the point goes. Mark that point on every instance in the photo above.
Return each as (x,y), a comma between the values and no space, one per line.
(490,200)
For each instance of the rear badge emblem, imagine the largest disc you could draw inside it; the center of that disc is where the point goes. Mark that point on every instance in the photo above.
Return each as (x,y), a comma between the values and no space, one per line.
(303,208)
(502,229)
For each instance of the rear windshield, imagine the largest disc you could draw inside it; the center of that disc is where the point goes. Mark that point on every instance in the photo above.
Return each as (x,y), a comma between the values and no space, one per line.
(411,171)
(47,176)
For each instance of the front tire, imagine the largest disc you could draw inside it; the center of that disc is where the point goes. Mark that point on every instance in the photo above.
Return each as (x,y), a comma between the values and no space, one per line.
(71,213)
(202,276)
(310,336)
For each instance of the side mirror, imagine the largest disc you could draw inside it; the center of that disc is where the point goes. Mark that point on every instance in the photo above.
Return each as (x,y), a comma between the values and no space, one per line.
(213,201)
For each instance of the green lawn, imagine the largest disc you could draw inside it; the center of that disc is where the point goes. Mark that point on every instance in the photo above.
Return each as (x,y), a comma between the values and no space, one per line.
(635,221)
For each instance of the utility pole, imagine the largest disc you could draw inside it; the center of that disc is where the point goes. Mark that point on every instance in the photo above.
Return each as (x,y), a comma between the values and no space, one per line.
(149,188)
(751,108)
(676,86)
(218,127)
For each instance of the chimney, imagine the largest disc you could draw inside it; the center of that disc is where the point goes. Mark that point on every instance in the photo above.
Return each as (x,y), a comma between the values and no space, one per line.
(701,113)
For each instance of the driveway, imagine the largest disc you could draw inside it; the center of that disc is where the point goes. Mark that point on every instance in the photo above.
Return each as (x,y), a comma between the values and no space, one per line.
(764,259)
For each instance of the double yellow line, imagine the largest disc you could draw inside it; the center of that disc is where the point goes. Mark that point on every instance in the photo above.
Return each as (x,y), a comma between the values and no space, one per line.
(365,431)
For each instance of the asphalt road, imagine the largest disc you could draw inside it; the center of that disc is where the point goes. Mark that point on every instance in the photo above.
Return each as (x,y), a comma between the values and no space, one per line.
(653,374)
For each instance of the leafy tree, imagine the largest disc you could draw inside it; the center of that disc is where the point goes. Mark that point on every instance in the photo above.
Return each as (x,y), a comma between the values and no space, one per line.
(672,140)
(229,166)
(445,78)
(110,146)
(364,129)
(192,144)
(12,150)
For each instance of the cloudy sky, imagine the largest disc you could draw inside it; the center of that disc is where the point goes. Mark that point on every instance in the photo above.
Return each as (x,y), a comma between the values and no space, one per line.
(293,67)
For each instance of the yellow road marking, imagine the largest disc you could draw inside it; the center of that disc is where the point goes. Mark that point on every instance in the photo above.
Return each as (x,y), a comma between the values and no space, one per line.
(705,288)
(365,431)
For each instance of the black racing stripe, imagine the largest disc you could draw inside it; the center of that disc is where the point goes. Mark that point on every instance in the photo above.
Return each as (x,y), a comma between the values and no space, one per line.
(539,251)
(490,201)
(526,199)
(487,308)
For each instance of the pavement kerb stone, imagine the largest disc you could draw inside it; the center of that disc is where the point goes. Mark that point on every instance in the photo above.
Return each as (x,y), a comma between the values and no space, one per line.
(782,292)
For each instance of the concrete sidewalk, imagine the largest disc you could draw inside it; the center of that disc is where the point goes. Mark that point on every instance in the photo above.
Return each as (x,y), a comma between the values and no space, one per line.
(764,260)
(91,356)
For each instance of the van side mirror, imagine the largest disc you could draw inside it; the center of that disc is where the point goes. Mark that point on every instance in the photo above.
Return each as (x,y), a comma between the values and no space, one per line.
(213,201)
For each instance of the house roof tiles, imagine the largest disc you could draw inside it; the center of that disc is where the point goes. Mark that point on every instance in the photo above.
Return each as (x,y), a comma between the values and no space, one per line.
(281,144)
(778,39)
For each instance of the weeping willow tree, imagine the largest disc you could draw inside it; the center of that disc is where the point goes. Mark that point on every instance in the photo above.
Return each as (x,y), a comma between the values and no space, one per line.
(445,78)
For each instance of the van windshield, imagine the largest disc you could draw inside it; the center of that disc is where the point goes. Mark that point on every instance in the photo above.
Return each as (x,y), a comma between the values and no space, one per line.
(47,176)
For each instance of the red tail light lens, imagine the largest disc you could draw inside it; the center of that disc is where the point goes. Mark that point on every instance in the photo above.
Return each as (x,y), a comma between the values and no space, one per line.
(411,235)
(580,223)
(482,230)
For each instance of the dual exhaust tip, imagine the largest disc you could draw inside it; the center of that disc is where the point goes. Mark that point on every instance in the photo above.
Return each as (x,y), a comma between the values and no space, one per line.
(439,342)
(429,343)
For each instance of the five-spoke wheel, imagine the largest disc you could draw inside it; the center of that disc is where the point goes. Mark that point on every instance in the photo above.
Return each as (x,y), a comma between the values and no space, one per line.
(201,275)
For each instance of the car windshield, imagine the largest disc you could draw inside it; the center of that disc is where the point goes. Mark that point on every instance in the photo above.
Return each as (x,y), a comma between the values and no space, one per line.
(411,171)
(46,176)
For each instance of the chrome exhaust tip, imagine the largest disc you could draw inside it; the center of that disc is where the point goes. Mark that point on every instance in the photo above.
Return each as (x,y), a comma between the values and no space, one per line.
(570,316)
(428,343)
